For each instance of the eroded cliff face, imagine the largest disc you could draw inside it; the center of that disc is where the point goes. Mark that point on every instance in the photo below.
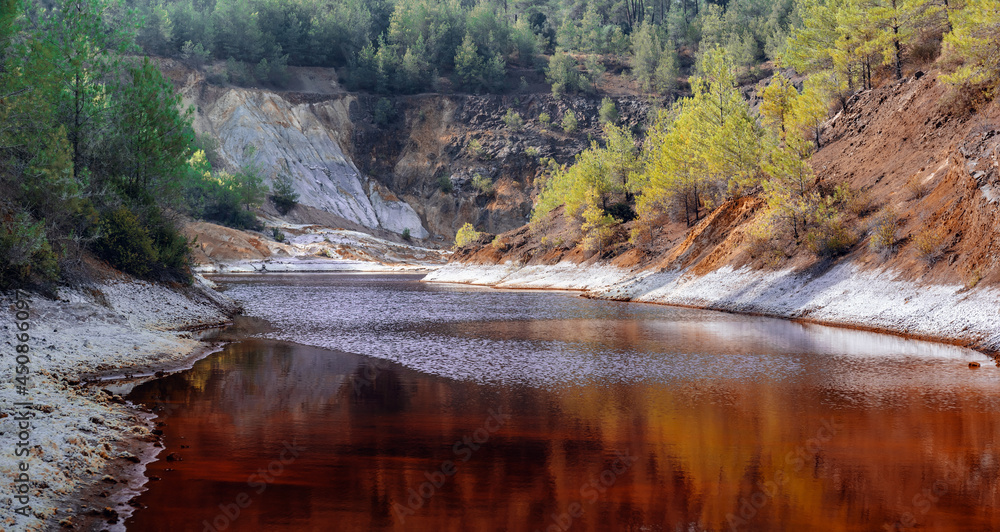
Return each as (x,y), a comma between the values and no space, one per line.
(436,144)
(303,140)
(411,171)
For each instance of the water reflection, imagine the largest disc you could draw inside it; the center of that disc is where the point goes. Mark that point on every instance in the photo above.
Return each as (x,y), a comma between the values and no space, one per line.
(549,338)
(300,438)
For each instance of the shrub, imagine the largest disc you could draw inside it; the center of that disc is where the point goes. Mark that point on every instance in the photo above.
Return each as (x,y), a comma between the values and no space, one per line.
(917,187)
(930,244)
(608,112)
(595,73)
(972,278)
(569,123)
(445,184)
(562,73)
(125,243)
(860,203)
(482,183)
(274,71)
(544,119)
(171,247)
(238,72)
(883,232)
(277,234)
(230,198)
(532,151)
(475,149)
(598,228)
(222,197)
(284,196)
(195,54)
(25,252)
(384,113)
(406,234)
(831,238)
(762,241)
(513,120)
(466,235)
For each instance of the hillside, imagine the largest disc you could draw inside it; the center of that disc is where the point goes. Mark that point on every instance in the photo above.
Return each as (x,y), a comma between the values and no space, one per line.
(358,167)
(910,147)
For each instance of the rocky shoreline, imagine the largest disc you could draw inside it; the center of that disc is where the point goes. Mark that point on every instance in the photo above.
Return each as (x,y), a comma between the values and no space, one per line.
(87,447)
(844,295)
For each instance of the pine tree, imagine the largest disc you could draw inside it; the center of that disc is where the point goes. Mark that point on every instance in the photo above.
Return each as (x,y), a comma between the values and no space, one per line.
(975,38)
(468,63)
(897,23)
(87,50)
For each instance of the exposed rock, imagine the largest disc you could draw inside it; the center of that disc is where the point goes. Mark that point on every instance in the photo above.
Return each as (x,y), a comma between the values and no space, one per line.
(301,141)
(387,177)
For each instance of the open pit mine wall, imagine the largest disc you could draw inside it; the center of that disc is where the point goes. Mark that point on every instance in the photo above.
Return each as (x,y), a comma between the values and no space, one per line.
(304,141)
(390,176)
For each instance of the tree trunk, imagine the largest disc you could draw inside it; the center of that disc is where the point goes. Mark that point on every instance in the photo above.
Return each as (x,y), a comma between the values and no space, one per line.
(76,124)
(899,53)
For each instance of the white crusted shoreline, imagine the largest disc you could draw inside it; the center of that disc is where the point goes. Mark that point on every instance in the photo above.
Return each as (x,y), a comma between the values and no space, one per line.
(300,265)
(844,295)
(77,431)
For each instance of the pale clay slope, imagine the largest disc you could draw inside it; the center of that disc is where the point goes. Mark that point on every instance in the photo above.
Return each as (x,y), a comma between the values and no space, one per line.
(302,141)
(844,295)
(308,248)
(76,428)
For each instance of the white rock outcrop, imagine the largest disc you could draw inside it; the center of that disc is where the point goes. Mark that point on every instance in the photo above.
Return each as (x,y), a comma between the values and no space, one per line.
(304,142)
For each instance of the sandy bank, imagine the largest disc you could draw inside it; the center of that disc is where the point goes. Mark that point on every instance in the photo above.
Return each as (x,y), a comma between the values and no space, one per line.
(844,295)
(300,265)
(305,248)
(79,433)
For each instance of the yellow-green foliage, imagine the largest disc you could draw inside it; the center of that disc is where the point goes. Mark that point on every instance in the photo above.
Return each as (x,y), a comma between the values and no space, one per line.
(975,38)
(829,234)
(569,122)
(475,149)
(794,204)
(598,172)
(883,232)
(930,243)
(513,120)
(597,225)
(849,38)
(571,185)
(705,146)
(482,183)
(465,235)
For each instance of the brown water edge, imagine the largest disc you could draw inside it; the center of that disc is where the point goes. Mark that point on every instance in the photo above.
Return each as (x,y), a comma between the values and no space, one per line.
(278,436)
(975,345)
(109,495)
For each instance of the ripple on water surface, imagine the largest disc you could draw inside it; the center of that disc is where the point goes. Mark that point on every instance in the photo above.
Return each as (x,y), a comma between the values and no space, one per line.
(544,337)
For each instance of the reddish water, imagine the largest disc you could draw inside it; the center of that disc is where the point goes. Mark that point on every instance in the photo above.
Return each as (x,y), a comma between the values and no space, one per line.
(743,423)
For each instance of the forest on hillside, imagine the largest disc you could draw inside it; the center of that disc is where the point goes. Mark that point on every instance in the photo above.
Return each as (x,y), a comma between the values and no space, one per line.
(96,154)
(713,147)
(404,46)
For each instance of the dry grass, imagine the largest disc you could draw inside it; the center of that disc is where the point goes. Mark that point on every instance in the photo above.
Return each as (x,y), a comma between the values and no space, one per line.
(930,244)
(972,278)
(917,187)
(860,203)
(883,232)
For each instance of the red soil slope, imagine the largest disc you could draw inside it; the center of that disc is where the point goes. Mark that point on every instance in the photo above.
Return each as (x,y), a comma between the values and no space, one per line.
(917,146)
